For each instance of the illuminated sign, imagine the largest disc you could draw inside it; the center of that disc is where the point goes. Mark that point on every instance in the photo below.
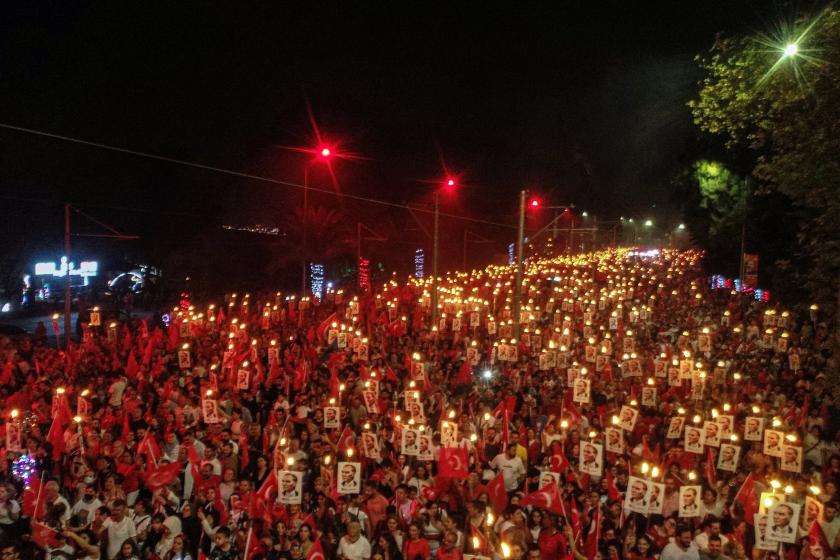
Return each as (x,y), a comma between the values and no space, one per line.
(419,263)
(85,268)
(316,279)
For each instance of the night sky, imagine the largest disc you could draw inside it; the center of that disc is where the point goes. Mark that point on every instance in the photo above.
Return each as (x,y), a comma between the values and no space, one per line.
(584,104)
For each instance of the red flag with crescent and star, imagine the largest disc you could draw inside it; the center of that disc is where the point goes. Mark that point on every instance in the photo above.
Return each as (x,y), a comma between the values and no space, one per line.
(453,463)
(498,494)
(316,551)
(547,498)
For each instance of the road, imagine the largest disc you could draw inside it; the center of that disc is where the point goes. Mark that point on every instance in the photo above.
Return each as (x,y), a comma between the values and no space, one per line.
(31,323)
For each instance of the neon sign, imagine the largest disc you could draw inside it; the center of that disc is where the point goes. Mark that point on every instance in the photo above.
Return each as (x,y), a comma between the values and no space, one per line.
(85,269)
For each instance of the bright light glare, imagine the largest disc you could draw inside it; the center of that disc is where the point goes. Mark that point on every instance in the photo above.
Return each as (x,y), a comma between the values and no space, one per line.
(487,374)
(326,152)
(791,49)
(681,226)
(648,223)
(585,214)
(450,182)
(535,203)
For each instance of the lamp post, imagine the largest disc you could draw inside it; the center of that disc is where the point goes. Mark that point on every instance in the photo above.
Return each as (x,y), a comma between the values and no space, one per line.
(323,153)
(517,289)
(450,182)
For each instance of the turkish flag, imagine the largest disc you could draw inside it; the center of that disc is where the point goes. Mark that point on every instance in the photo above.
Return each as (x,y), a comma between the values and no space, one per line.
(547,498)
(316,551)
(591,545)
(56,438)
(325,324)
(612,489)
(709,467)
(817,540)
(432,493)
(267,486)
(31,506)
(346,439)
(497,492)
(574,518)
(559,463)
(453,463)
(748,500)
(44,536)
(163,475)
(149,447)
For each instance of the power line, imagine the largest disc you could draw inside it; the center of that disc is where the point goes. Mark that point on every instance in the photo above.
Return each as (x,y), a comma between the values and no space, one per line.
(241,174)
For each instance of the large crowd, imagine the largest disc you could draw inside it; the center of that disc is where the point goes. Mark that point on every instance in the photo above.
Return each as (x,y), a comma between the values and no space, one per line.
(636,412)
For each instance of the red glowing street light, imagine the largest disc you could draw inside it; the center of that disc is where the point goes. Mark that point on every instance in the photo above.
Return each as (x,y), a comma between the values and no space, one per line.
(450,182)
(325,152)
(535,203)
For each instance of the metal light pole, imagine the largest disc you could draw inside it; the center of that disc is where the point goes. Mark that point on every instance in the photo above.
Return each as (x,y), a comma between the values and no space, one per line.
(517,289)
(303,233)
(68,327)
(324,153)
(744,229)
(435,261)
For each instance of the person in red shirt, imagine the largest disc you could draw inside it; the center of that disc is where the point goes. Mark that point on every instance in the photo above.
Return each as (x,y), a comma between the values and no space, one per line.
(551,542)
(448,549)
(374,505)
(415,546)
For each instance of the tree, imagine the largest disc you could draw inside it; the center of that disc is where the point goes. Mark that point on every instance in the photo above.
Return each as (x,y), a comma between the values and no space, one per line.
(782,104)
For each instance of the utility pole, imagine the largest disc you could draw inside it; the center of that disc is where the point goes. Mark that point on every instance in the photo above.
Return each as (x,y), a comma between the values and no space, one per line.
(517,291)
(303,232)
(435,261)
(744,230)
(67,304)
(114,234)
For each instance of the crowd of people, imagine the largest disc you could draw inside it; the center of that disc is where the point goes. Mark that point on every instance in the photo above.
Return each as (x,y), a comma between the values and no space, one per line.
(635,412)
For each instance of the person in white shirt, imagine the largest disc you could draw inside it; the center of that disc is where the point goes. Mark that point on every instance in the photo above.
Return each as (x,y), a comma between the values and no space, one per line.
(682,548)
(712,528)
(511,466)
(353,546)
(53,499)
(9,507)
(84,510)
(118,528)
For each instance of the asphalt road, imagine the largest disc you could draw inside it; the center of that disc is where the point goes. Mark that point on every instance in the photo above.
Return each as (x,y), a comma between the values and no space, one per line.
(31,323)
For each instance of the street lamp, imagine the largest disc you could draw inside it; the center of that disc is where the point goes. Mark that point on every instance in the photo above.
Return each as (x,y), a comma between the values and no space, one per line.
(648,223)
(517,289)
(791,49)
(324,154)
(448,183)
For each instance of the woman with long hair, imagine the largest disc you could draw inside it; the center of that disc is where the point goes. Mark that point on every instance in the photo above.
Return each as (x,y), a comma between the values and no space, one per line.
(386,547)
(416,547)
(179,550)
(305,538)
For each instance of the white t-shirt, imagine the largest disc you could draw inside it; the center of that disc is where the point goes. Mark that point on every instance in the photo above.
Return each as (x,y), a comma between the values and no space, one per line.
(359,550)
(360,515)
(512,470)
(66,515)
(7,510)
(118,533)
(673,552)
(116,391)
(86,511)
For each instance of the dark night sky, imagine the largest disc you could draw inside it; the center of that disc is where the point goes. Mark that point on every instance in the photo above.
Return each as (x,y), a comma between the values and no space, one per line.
(586,101)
